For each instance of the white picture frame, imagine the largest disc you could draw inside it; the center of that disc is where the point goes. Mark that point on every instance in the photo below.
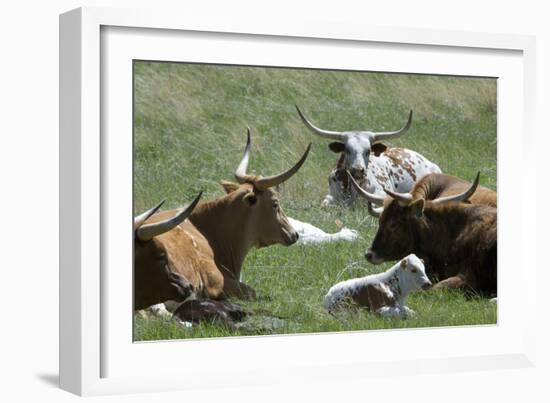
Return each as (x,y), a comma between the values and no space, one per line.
(96,356)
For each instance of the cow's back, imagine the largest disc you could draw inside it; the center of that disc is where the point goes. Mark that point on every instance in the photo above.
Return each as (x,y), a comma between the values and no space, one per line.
(189,254)
(477,248)
(398,169)
(436,185)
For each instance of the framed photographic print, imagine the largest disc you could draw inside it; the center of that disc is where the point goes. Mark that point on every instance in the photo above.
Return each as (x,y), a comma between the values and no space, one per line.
(236,190)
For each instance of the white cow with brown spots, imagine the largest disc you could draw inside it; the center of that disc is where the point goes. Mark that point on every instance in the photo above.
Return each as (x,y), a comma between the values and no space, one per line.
(372,164)
(385,293)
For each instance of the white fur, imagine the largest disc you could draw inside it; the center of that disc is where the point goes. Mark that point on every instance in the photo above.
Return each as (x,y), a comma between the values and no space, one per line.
(406,279)
(160,310)
(379,175)
(166,310)
(309,234)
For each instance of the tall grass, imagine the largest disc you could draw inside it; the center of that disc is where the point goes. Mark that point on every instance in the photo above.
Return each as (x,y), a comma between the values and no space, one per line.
(190,130)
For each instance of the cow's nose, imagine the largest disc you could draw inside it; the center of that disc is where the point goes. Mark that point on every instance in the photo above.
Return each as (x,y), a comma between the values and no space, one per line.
(369,255)
(426,286)
(294,237)
(358,171)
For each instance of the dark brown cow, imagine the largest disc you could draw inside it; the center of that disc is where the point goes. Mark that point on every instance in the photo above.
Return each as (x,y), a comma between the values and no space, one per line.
(437,186)
(442,187)
(457,240)
(207,251)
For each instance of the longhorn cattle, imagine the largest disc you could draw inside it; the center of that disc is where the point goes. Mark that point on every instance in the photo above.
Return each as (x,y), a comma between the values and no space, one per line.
(384,293)
(371,163)
(154,281)
(205,253)
(436,186)
(440,186)
(457,240)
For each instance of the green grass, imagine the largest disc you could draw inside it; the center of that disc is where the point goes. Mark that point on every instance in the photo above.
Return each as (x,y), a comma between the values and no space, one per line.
(190,131)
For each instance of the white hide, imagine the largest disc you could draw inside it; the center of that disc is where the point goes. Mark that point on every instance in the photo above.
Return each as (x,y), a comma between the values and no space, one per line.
(397,282)
(309,234)
(382,172)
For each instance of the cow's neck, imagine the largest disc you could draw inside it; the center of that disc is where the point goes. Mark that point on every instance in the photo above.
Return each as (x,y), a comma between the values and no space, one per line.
(444,223)
(219,223)
(391,279)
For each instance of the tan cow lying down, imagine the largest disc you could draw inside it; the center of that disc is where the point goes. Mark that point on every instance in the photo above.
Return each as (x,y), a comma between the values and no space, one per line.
(384,293)
(153,279)
(207,251)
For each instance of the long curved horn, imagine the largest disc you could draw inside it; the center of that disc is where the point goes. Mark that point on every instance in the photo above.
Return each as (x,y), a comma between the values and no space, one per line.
(149,231)
(240,172)
(270,181)
(461,196)
(402,198)
(323,133)
(379,136)
(140,219)
(379,201)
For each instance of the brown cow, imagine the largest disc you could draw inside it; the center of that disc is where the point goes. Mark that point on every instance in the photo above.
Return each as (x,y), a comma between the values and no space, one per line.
(154,282)
(441,186)
(207,251)
(457,240)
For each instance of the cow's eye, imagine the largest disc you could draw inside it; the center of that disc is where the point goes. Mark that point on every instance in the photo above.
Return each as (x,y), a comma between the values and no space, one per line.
(413,270)
(276,205)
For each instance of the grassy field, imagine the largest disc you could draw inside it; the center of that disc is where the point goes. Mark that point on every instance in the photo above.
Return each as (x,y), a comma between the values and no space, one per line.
(190,130)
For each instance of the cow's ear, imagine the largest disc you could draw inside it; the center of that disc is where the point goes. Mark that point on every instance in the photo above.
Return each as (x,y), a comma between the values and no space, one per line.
(229,186)
(250,199)
(417,208)
(337,147)
(403,264)
(378,148)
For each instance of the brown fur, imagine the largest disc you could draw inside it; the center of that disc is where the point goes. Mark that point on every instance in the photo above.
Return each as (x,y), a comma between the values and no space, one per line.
(456,240)
(373,297)
(205,253)
(401,158)
(432,186)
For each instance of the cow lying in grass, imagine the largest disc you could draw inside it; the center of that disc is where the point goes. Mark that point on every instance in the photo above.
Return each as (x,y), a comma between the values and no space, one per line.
(374,165)
(443,187)
(384,293)
(310,234)
(457,240)
(202,257)
(154,280)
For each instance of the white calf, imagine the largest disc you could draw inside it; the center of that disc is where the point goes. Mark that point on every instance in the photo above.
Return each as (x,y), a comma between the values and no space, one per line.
(383,293)
(309,234)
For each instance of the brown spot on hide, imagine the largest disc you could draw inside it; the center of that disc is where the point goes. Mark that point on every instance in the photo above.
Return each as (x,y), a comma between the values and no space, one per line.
(378,149)
(373,297)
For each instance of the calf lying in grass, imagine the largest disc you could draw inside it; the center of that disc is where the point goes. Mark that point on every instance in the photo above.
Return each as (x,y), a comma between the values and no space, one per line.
(309,234)
(383,293)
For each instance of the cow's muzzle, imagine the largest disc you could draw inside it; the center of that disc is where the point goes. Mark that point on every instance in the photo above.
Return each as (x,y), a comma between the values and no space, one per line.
(426,286)
(373,258)
(291,237)
(358,173)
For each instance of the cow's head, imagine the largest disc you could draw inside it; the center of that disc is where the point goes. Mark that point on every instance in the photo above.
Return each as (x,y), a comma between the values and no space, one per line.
(356,146)
(400,219)
(257,208)
(153,280)
(412,274)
